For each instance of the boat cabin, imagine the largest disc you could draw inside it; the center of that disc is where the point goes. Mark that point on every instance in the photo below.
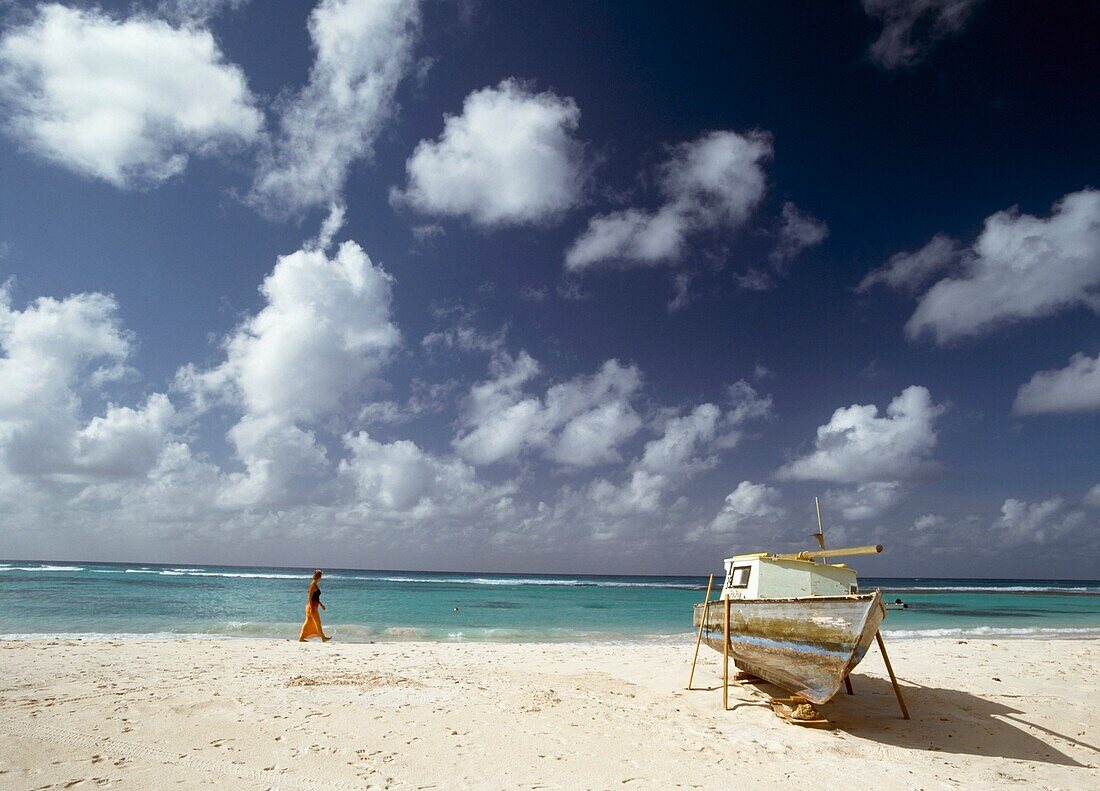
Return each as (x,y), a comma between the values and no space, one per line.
(764,576)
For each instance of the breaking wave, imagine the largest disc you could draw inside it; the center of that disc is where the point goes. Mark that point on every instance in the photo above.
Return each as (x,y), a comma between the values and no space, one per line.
(1067,632)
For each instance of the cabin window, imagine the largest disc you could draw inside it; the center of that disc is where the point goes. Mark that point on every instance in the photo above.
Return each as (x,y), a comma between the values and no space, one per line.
(739,577)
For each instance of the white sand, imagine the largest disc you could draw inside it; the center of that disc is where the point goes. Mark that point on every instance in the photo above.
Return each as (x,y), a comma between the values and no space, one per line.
(148,714)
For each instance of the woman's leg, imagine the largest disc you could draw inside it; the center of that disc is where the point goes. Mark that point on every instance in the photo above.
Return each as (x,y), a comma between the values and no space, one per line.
(312,625)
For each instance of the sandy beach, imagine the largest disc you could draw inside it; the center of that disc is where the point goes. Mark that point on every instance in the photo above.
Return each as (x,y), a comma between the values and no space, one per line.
(135,713)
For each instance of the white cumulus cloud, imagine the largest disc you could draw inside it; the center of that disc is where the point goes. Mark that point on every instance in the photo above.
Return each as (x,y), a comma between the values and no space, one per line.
(749,505)
(687,445)
(54,349)
(510,158)
(709,184)
(865,501)
(1020,267)
(126,101)
(858,445)
(401,478)
(1047,522)
(363,50)
(325,328)
(1075,388)
(683,448)
(579,423)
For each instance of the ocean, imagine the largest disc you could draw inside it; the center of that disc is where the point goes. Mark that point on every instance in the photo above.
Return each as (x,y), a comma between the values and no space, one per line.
(112,599)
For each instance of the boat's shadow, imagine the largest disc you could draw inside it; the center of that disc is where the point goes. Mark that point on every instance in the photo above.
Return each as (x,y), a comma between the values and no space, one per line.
(945,720)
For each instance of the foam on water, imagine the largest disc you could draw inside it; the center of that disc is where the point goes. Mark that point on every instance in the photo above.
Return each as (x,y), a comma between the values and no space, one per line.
(992,631)
(504,581)
(998,589)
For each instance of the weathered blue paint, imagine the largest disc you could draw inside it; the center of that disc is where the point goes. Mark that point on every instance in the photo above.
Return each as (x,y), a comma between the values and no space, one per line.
(806,645)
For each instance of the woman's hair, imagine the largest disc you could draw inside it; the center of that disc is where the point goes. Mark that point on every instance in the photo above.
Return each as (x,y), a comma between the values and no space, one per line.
(316,573)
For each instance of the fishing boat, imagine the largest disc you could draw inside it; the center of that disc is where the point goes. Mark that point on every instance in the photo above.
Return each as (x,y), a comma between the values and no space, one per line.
(789,619)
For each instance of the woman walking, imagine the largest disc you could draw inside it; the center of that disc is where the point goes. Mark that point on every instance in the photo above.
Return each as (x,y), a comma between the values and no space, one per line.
(312,626)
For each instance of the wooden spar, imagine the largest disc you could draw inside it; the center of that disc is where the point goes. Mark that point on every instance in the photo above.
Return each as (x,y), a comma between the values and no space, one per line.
(820,534)
(869,549)
(890,670)
(726,660)
(699,637)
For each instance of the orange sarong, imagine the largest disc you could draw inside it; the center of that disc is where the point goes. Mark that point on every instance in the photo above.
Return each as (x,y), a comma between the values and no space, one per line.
(312,626)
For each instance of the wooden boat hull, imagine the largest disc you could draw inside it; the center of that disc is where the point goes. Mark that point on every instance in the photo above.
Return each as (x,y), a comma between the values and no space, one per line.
(805,645)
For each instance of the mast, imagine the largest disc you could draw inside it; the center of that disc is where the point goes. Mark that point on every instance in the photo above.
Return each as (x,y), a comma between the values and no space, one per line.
(820,534)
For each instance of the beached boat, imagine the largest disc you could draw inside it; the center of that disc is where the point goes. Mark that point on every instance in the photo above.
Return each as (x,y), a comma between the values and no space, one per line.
(797,623)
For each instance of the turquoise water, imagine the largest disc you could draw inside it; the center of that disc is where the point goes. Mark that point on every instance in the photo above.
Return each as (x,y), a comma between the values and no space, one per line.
(76,598)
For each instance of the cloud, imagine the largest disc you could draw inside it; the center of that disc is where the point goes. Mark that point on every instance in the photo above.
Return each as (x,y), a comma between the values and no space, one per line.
(463,336)
(424,233)
(123,101)
(640,494)
(579,423)
(510,158)
(709,184)
(1046,526)
(1092,497)
(688,444)
(283,463)
(1035,523)
(303,358)
(928,521)
(858,446)
(54,352)
(745,404)
(1075,388)
(865,501)
(364,48)
(197,12)
(749,505)
(296,373)
(125,442)
(911,29)
(1020,267)
(756,280)
(799,231)
(678,452)
(683,296)
(909,271)
(399,478)
(330,226)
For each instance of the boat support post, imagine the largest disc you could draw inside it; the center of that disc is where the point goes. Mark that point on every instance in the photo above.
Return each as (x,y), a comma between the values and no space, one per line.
(893,680)
(726,658)
(702,625)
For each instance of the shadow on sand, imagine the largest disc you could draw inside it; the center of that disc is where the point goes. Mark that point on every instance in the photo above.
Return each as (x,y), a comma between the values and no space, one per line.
(943,720)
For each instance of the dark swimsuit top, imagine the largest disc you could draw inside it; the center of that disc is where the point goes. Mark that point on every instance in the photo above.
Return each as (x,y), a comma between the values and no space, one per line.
(316,598)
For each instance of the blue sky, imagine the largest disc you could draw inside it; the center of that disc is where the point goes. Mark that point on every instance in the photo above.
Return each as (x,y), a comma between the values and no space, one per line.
(551,287)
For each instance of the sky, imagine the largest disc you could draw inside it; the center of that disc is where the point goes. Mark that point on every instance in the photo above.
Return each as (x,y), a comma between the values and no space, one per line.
(551,287)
